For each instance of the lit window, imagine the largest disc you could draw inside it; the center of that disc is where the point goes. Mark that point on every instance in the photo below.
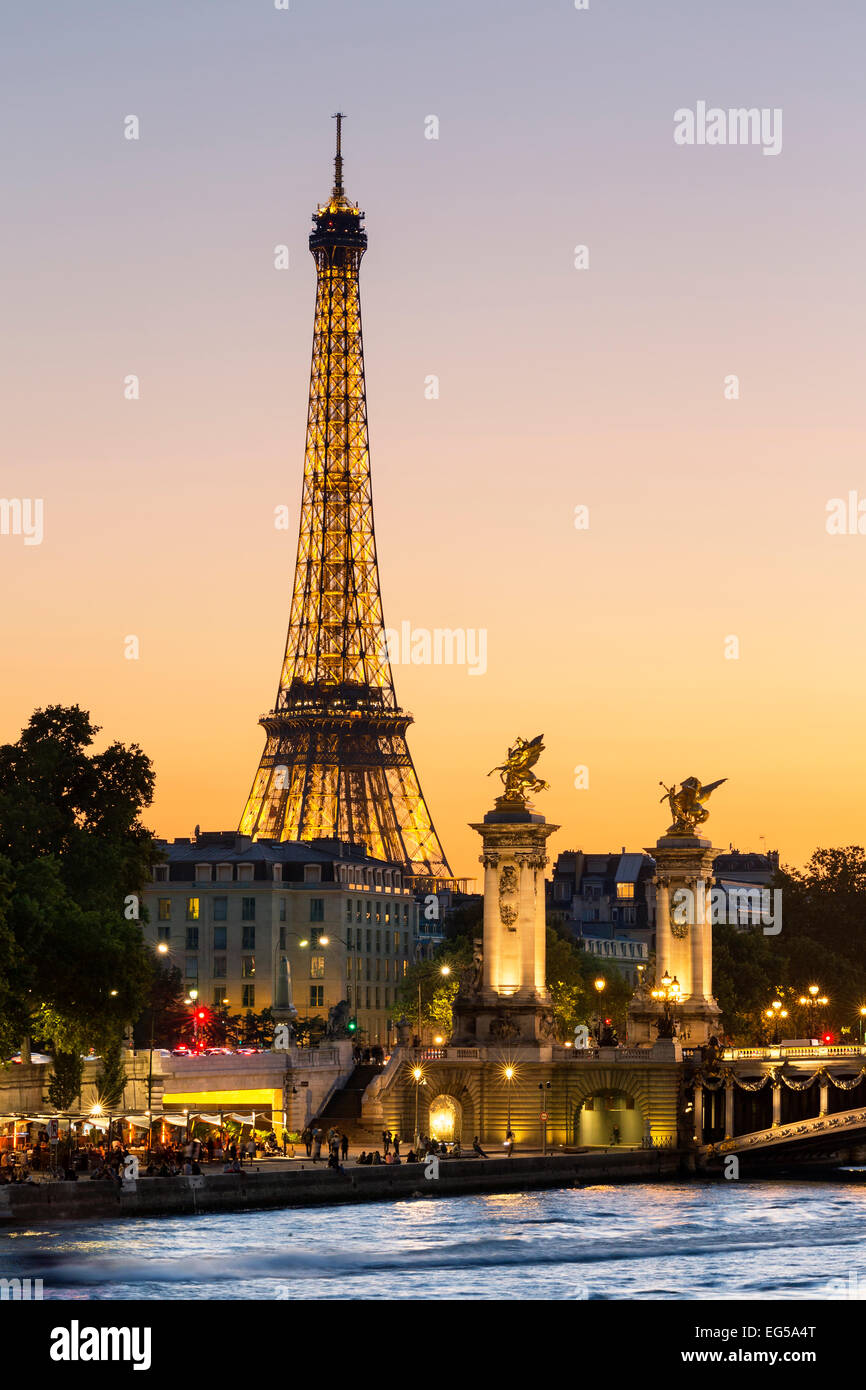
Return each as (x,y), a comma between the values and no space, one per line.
(625,890)
(317,967)
(165,909)
(248,967)
(192,908)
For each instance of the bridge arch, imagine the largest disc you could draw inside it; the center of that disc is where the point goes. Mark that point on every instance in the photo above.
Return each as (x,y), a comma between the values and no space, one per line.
(610,1107)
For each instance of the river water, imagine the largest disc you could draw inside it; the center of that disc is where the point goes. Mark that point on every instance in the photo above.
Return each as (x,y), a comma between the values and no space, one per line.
(671,1241)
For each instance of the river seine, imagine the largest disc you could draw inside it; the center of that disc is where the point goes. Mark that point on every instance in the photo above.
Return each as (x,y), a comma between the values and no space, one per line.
(733,1240)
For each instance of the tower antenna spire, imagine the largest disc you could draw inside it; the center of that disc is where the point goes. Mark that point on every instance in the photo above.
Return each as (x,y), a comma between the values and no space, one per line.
(339,117)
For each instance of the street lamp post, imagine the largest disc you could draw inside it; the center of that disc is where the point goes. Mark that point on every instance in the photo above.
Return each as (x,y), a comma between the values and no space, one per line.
(776,1013)
(544,1099)
(668,993)
(862,1016)
(813,1001)
(418,1078)
(600,986)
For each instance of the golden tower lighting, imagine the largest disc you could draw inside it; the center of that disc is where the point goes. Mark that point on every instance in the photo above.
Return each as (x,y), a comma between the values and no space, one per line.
(336,762)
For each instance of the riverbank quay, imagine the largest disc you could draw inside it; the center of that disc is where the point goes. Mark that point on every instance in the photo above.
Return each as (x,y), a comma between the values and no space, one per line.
(26,1204)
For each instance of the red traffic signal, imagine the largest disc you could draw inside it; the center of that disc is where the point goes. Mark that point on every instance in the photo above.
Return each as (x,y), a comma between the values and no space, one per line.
(201,1015)
(827,1038)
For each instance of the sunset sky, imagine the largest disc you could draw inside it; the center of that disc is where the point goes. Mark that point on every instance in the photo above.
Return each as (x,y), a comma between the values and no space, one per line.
(559,387)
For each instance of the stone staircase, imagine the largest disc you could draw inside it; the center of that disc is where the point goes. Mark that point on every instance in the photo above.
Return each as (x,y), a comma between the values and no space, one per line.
(343,1108)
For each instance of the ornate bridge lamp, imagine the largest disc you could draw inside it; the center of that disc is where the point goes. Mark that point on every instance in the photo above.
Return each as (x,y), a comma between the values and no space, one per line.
(600,986)
(668,994)
(775,1014)
(813,1001)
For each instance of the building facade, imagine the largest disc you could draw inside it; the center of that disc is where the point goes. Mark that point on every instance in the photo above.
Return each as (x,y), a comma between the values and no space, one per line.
(256,924)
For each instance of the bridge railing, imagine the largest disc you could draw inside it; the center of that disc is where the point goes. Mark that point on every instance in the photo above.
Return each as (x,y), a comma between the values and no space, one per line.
(757,1054)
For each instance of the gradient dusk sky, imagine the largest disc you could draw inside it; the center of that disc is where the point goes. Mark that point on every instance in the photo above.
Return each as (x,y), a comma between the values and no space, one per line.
(559,387)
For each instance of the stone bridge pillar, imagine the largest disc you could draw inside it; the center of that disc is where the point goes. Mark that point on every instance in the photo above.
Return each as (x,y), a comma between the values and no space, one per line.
(699,1114)
(729,1108)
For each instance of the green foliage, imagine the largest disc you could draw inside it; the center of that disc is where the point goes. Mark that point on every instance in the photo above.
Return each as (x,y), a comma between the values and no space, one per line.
(112,1079)
(438,991)
(73,967)
(65,1082)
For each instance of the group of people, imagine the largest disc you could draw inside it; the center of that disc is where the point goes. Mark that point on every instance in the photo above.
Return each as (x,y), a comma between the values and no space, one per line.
(337,1144)
(368,1055)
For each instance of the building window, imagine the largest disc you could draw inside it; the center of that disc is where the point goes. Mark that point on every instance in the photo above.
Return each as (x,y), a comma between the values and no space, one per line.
(406,943)
(282,909)
(349,960)
(625,890)
(191,970)
(248,909)
(349,995)
(192,909)
(160,873)
(246,873)
(312,873)
(317,996)
(317,909)
(248,996)
(317,967)
(163,933)
(349,938)
(248,967)
(220,907)
(387,912)
(348,909)
(405,968)
(387,969)
(282,938)
(203,873)
(358,910)
(192,938)
(165,909)
(218,996)
(369,940)
(224,873)
(378,1005)
(378,968)
(248,942)
(378,912)
(219,967)
(278,872)
(368,996)
(219,938)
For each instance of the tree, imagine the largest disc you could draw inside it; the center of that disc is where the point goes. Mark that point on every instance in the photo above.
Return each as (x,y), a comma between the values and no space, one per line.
(73,858)
(112,1080)
(65,1082)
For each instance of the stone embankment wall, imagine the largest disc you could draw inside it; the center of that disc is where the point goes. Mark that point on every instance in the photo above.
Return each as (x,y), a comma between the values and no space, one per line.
(249,1191)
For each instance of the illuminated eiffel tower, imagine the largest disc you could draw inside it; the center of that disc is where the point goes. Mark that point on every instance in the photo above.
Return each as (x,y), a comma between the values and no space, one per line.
(336,762)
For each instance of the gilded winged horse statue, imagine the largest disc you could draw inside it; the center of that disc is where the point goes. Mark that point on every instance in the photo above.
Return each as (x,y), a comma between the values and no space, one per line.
(516,772)
(687,804)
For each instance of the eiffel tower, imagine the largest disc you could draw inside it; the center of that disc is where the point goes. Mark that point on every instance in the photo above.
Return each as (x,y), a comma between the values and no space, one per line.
(336,763)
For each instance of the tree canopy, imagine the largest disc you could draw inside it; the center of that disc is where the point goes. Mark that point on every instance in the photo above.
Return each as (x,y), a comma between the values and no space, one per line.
(73,858)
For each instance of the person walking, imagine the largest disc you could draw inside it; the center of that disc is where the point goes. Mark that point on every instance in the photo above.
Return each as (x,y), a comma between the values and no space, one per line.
(395,1143)
(251,1149)
(477,1148)
(307,1137)
(509,1144)
(317,1144)
(344,1146)
(386,1140)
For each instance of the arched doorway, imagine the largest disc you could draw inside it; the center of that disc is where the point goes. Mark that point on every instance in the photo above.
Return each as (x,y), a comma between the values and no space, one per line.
(609,1117)
(445,1119)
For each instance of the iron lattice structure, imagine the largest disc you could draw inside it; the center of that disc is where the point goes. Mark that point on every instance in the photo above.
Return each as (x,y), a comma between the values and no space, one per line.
(336,762)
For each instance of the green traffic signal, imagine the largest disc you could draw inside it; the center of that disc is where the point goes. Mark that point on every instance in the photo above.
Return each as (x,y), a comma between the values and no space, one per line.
(352,1025)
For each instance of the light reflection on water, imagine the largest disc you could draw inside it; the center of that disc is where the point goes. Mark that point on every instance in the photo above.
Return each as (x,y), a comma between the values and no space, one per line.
(683,1241)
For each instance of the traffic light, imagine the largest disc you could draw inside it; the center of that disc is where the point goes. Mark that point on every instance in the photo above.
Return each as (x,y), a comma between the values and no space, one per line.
(827,1039)
(201,1015)
(352,1025)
